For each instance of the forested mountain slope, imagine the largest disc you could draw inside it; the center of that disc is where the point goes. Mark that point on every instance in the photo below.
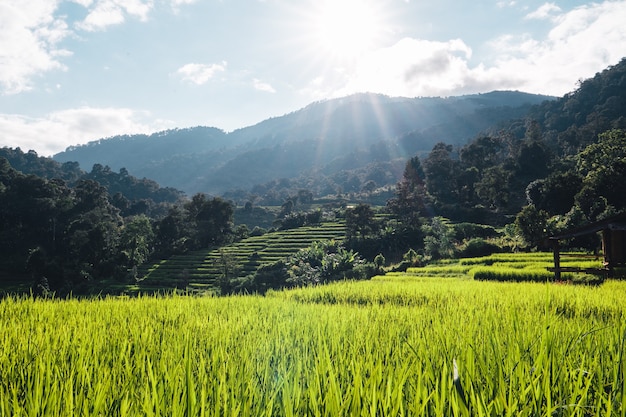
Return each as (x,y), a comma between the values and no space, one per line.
(318,137)
(565,158)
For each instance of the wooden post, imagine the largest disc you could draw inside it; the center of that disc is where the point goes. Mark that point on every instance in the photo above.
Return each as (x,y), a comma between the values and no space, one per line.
(557,260)
(607,248)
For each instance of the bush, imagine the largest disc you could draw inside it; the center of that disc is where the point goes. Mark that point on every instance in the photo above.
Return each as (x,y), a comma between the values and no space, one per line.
(464,231)
(272,276)
(258,231)
(478,247)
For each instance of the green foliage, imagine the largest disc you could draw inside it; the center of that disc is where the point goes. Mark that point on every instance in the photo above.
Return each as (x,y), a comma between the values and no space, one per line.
(439,239)
(441,173)
(556,193)
(322,262)
(411,200)
(478,247)
(464,230)
(603,167)
(360,222)
(532,225)
(293,220)
(379,261)
(211,221)
(136,240)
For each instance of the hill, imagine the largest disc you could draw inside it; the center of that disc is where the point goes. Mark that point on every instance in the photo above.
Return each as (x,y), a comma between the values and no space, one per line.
(326,137)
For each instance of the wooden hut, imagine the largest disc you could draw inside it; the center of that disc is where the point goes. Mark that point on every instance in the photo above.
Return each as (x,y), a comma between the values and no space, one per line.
(613,233)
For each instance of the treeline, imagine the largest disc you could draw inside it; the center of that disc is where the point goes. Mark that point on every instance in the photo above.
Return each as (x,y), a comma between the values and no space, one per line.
(65,238)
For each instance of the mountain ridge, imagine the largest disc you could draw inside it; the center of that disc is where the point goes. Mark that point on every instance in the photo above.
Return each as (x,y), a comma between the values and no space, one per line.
(209,160)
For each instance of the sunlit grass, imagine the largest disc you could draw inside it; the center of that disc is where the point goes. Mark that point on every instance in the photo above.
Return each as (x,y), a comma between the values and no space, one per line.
(380,347)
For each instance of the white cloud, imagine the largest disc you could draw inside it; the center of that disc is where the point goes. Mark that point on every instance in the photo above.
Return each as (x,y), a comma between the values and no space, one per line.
(105,13)
(510,3)
(56,131)
(411,67)
(546,11)
(261,86)
(28,43)
(582,42)
(200,73)
(176,4)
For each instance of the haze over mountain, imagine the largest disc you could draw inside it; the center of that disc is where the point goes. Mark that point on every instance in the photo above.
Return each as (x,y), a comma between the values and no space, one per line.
(327,136)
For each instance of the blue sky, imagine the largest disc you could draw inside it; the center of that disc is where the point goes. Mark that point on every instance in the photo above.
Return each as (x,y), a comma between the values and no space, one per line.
(76,71)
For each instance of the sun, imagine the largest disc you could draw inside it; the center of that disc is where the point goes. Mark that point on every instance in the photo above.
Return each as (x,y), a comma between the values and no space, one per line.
(345,28)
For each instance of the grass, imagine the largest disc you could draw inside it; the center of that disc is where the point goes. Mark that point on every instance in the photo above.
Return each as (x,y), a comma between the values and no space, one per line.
(391,346)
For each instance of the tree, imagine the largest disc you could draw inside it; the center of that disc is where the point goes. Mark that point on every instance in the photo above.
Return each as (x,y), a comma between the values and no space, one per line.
(305,197)
(532,225)
(136,240)
(411,199)
(439,238)
(212,220)
(93,233)
(229,268)
(482,153)
(320,263)
(533,161)
(441,173)
(360,222)
(603,168)
(493,188)
(171,234)
(556,193)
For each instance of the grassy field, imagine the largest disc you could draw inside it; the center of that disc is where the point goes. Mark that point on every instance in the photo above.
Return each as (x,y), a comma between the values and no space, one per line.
(392,346)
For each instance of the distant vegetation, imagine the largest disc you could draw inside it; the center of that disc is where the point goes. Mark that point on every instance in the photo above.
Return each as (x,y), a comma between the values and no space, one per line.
(562,165)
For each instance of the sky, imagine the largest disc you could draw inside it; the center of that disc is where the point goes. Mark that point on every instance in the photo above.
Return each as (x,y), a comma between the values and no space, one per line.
(77,71)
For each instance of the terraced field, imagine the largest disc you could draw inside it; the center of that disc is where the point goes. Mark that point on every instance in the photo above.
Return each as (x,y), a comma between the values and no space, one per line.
(513,267)
(198,271)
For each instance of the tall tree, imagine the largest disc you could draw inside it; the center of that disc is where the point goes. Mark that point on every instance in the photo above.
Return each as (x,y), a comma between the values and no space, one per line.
(213,220)
(441,173)
(136,240)
(411,200)
(603,169)
(360,222)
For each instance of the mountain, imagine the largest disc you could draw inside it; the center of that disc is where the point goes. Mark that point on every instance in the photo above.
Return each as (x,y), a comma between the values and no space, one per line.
(328,136)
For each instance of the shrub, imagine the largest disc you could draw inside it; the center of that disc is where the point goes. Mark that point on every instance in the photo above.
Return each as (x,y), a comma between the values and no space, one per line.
(463,231)
(478,247)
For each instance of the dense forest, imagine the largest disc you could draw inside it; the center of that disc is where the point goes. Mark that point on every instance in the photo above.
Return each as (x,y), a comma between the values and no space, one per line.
(562,165)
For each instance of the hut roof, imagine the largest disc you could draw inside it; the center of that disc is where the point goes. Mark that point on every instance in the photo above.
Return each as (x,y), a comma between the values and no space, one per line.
(617,222)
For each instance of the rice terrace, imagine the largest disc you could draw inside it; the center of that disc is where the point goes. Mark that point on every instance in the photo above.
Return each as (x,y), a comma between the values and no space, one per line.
(365,255)
(431,341)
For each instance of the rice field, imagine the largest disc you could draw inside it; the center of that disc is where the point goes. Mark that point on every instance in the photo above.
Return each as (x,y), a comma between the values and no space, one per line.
(516,267)
(198,271)
(396,345)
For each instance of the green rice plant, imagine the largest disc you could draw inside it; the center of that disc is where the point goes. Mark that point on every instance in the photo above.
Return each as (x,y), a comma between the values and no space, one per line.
(500,273)
(440,270)
(391,346)
(508,257)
